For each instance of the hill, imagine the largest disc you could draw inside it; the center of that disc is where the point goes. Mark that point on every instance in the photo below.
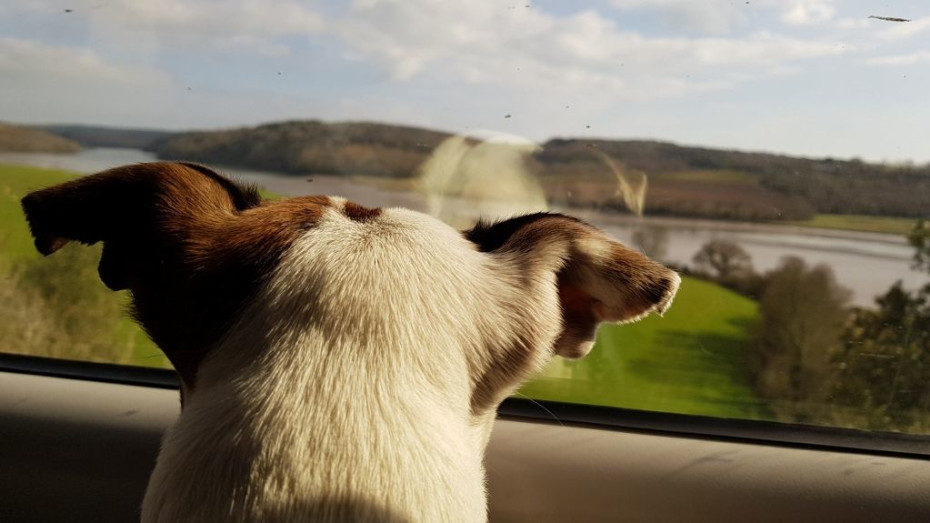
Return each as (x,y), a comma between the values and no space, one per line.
(309,147)
(793,186)
(23,139)
(98,136)
(683,181)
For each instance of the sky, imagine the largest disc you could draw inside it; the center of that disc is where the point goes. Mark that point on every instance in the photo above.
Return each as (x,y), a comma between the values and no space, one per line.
(816,78)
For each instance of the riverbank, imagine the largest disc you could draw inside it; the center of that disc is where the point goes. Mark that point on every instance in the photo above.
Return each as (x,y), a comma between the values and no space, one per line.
(867,263)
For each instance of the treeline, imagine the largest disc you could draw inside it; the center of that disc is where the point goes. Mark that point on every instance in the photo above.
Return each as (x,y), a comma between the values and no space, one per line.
(23,139)
(789,187)
(882,191)
(683,181)
(99,136)
(309,147)
(814,359)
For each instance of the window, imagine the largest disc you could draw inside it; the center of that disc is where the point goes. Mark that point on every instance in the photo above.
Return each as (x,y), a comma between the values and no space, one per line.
(773,152)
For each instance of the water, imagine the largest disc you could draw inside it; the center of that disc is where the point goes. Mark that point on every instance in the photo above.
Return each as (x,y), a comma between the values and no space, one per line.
(866,263)
(86,161)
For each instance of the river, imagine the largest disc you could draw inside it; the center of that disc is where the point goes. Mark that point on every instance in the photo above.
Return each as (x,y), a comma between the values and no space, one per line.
(867,263)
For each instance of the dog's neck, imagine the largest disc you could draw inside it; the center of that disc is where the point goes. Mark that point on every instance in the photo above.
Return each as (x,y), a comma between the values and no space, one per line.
(297,399)
(309,416)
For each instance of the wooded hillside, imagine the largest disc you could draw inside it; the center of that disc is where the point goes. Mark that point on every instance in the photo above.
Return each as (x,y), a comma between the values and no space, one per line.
(23,139)
(99,136)
(683,181)
(309,147)
(787,186)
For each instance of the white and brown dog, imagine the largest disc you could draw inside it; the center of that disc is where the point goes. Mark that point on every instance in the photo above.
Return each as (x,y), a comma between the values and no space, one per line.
(338,363)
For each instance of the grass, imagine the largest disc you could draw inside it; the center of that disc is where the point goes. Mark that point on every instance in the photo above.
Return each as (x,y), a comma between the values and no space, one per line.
(15,182)
(691,361)
(852,222)
(17,249)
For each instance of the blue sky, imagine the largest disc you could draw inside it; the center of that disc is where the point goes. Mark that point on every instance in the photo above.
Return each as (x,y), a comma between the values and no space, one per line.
(807,77)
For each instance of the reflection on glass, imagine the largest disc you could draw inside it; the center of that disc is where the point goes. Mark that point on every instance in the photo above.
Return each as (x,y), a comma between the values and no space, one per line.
(805,295)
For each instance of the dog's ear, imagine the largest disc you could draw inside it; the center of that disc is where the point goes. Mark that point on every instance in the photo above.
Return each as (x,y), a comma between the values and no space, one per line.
(129,209)
(599,279)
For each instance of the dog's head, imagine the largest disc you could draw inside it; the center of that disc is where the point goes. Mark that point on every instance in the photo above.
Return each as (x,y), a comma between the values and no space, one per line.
(206,259)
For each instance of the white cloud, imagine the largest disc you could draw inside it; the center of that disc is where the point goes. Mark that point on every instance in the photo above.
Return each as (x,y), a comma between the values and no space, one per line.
(25,61)
(252,44)
(916,58)
(485,42)
(249,17)
(807,12)
(903,30)
(852,23)
(707,16)
(639,4)
(241,25)
(74,84)
(726,16)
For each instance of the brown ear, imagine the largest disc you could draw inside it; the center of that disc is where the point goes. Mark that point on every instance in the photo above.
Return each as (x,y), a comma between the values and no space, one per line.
(122,207)
(599,279)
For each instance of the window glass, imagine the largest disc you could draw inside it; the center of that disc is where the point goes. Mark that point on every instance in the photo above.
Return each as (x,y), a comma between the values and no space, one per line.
(773,152)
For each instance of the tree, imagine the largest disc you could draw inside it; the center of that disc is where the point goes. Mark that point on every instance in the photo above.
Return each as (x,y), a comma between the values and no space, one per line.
(802,315)
(919,238)
(726,263)
(723,259)
(883,364)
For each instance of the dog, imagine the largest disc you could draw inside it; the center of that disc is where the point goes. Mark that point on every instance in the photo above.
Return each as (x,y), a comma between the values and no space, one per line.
(337,362)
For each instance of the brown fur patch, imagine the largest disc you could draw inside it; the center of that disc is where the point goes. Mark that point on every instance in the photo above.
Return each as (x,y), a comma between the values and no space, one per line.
(646,282)
(361,214)
(190,245)
(490,236)
(586,264)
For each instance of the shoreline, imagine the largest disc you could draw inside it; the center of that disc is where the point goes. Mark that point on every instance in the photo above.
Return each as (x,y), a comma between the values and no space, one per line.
(736,226)
(296,185)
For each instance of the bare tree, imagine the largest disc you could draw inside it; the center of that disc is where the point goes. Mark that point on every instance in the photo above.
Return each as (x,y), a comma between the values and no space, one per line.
(723,260)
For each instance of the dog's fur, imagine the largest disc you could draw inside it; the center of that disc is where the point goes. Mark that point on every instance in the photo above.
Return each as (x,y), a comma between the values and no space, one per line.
(338,363)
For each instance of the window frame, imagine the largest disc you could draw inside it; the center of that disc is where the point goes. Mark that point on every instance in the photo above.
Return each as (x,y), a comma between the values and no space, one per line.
(756,432)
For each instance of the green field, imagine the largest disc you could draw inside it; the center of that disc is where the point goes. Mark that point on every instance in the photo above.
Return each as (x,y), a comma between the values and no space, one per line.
(122,340)
(853,222)
(15,182)
(690,361)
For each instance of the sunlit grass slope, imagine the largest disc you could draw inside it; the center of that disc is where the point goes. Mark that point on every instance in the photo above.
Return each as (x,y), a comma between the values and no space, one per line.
(690,361)
(852,222)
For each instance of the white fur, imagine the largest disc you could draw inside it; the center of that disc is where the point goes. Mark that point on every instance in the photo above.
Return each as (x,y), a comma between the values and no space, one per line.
(345,386)
(360,378)
(346,390)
